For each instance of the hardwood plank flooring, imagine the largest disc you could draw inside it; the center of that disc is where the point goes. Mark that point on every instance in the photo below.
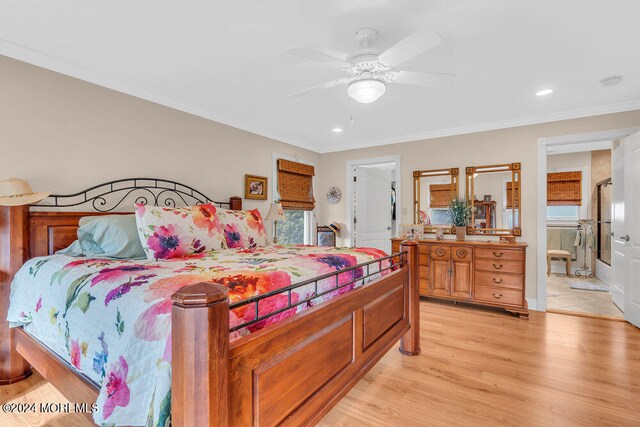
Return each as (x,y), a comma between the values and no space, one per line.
(478,367)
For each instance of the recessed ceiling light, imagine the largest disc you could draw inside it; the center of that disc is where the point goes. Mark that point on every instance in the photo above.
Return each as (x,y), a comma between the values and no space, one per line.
(337,130)
(611,81)
(544,92)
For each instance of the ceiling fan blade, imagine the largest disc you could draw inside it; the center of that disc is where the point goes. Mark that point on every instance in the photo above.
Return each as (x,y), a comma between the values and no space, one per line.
(421,79)
(409,47)
(316,56)
(325,85)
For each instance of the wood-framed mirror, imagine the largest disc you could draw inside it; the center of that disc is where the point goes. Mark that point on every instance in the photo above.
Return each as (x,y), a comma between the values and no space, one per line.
(432,192)
(494,191)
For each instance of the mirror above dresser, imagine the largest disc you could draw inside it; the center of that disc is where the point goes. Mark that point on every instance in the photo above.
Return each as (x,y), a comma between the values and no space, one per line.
(432,192)
(494,191)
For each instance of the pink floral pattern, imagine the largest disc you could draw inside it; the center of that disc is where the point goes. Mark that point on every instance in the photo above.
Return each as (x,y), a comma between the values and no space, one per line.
(111,319)
(243,229)
(75,354)
(167,233)
(118,393)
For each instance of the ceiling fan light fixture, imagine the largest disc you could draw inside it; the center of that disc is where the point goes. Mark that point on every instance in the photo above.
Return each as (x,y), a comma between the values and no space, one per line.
(366,91)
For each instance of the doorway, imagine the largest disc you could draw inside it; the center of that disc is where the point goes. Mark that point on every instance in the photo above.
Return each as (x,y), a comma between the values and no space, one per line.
(586,251)
(373,201)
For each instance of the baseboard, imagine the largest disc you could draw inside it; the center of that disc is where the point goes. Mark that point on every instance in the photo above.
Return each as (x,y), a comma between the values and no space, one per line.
(617,296)
(533,304)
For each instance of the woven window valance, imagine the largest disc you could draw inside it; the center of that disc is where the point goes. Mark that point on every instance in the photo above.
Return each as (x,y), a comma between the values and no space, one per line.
(510,187)
(564,188)
(439,195)
(295,185)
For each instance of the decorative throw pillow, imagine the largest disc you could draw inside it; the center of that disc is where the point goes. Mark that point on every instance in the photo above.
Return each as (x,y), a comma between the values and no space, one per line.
(243,229)
(107,236)
(175,232)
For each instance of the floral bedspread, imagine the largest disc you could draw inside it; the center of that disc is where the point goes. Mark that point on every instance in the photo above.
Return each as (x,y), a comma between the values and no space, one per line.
(111,319)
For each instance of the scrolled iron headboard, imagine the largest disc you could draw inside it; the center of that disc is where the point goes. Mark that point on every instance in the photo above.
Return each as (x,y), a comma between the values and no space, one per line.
(148,191)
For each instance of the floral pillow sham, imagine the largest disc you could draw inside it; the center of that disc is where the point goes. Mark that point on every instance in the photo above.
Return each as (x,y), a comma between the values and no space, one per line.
(243,229)
(167,233)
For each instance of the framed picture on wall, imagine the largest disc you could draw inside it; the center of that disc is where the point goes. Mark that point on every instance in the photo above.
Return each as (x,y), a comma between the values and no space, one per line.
(255,187)
(325,236)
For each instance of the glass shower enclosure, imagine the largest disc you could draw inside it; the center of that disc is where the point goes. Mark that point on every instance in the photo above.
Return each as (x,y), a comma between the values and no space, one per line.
(604,203)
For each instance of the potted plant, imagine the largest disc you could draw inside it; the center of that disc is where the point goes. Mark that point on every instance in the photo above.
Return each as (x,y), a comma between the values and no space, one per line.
(460,214)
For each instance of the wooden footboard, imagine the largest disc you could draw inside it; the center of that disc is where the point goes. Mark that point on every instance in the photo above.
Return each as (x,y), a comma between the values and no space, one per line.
(292,372)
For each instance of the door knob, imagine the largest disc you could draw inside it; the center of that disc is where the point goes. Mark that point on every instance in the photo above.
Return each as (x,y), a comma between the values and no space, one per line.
(626,238)
(389,228)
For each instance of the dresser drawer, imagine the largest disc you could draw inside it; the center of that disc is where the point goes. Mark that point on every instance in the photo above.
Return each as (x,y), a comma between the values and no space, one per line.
(499,266)
(423,259)
(497,295)
(486,278)
(499,254)
(424,271)
(440,252)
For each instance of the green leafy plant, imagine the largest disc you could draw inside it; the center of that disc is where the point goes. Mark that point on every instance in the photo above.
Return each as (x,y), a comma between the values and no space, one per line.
(460,211)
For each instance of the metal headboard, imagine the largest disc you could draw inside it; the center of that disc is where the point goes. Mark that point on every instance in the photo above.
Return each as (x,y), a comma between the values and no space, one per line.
(148,191)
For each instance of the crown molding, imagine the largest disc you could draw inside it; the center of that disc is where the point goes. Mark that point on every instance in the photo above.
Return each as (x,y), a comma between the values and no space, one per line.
(489,126)
(43,60)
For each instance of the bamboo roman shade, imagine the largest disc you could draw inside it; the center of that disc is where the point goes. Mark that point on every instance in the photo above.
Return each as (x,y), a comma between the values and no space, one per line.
(295,185)
(439,195)
(564,189)
(510,187)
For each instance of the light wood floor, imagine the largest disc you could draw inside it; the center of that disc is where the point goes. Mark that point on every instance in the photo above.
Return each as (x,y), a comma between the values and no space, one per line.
(477,367)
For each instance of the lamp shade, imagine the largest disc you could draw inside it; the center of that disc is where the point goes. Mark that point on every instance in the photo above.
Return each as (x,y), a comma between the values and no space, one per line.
(276,213)
(366,91)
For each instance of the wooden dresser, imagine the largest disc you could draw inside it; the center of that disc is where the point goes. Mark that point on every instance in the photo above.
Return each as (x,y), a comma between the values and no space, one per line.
(478,272)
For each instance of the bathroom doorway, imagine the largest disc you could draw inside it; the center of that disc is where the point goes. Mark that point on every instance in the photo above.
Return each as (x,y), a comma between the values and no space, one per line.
(578,214)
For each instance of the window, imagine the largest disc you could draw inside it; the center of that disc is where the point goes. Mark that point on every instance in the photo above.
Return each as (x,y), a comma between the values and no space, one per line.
(294,230)
(294,184)
(563,212)
(564,195)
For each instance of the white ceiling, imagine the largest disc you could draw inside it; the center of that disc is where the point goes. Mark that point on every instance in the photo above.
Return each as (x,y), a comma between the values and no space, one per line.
(226,60)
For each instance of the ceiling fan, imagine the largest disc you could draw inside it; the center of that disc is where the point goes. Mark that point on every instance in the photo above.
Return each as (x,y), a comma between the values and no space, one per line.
(368,72)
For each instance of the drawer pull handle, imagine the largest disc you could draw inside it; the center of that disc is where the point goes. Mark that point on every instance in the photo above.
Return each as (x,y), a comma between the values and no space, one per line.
(497,280)
(497,266)
(498,254)
(497,296)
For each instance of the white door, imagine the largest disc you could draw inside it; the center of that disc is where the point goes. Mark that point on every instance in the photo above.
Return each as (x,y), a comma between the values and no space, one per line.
(618,246)
(631,236)
(372,220)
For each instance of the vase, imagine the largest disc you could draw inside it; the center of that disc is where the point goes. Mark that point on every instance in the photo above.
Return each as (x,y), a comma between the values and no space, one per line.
(460,233)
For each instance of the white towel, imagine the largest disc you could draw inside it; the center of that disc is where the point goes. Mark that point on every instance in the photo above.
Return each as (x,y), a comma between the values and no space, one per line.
(589,236)
(579,238)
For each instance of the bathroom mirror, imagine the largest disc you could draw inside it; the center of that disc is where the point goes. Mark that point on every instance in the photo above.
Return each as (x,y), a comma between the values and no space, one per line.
(432,192)
(495,193)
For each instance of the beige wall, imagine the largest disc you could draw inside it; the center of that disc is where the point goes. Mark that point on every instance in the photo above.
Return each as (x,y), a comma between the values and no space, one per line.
(63,134)
(483,148)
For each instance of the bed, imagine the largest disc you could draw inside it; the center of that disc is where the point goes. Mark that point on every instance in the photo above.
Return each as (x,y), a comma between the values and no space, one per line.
(285,355)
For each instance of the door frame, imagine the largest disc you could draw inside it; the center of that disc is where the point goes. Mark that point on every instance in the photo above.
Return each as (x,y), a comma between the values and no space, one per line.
(541,182)
(350,188)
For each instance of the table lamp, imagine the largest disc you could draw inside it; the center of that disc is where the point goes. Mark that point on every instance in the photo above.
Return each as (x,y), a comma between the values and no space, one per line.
(276,213)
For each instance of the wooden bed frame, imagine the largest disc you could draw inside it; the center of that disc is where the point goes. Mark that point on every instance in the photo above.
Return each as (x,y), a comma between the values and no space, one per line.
(291,372)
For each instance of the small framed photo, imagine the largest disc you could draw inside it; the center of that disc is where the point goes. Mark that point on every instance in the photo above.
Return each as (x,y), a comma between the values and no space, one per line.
(487,198)
(325,236)
(255,187)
